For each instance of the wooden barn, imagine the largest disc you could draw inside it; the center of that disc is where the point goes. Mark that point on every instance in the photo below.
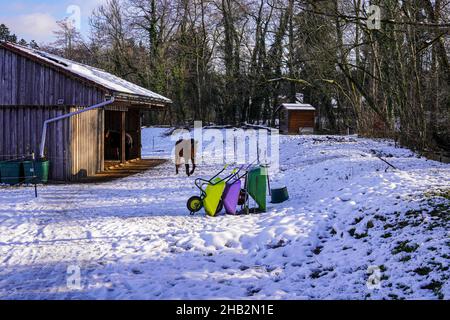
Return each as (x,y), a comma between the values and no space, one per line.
(297,118)
(74,115)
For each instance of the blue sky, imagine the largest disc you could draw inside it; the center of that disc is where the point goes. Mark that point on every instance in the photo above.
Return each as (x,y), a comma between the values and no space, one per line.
(37,19)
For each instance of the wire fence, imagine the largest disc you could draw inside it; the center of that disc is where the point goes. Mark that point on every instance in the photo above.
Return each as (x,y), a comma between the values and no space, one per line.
(10,157)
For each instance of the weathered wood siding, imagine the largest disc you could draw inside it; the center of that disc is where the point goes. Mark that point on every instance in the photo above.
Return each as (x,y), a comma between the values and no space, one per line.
(284,120)
(20,135)
(300,120)
(87,144)
(24,82)
(74,146)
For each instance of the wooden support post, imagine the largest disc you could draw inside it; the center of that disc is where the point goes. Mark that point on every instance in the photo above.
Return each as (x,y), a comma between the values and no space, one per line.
(139,142)
(123,157)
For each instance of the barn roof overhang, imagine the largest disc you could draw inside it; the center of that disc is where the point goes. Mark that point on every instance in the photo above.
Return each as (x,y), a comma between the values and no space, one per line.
(141,102)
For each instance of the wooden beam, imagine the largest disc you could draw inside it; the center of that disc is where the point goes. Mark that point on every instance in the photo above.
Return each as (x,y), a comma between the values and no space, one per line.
(139,142)
(123,137)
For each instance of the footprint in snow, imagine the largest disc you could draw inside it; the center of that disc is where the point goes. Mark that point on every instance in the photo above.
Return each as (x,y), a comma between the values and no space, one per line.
(136,271)
(252,291)
(270,269)
(345,197)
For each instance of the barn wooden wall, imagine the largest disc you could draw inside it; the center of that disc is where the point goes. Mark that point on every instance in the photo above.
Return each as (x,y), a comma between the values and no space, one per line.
(87,144)
(20,135)
(284,121)
(70,159)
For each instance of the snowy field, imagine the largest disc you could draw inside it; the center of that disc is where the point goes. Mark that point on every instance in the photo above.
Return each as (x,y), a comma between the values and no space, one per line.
(134,239)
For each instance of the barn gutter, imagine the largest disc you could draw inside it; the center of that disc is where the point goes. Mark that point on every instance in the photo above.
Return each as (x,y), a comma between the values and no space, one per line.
(66,116)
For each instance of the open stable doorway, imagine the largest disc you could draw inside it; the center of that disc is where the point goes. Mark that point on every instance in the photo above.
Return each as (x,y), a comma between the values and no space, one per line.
(122,135)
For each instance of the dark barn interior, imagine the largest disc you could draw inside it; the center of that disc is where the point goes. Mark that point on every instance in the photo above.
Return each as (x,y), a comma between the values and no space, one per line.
(117,122)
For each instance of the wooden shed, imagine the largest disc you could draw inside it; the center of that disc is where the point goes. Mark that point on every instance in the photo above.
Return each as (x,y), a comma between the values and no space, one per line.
(296,118)
(79,105)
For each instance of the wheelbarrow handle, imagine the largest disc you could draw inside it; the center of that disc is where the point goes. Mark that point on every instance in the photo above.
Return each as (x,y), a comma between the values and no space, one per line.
(224,168)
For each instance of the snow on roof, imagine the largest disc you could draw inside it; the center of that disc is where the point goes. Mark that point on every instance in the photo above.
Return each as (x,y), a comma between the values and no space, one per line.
(101,77)
(298,106)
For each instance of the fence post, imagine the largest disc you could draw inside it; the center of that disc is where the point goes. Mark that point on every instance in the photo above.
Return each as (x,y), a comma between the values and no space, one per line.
(33,157)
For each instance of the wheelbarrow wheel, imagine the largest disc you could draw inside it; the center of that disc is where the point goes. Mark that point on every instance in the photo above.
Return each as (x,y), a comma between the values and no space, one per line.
(195,204)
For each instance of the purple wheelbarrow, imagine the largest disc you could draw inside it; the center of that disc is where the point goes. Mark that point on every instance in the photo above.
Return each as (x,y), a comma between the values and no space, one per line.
(231,196)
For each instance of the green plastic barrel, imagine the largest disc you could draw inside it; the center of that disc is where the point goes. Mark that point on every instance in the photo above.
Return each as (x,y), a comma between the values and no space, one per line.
(257,186)
(10,172)
(280,195)
(35,173)
(28,171)
(42,168)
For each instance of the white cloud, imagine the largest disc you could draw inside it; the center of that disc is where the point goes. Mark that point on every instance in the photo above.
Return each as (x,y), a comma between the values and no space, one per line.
(34,26)
(87,6)
(37,20)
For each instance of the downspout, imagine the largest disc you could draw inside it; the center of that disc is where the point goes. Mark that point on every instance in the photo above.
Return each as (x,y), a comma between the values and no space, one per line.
(65,116)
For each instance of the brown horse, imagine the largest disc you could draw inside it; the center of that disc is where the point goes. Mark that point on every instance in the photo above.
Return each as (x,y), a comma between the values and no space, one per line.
(186,149)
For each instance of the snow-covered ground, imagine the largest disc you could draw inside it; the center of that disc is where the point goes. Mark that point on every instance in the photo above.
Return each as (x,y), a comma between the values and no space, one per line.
(133,238)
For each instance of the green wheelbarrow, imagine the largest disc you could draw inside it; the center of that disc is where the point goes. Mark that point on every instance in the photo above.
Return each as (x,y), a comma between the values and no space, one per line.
(256,184)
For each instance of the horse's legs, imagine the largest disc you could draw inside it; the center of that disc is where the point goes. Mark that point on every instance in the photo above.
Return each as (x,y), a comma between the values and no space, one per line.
(193,156)
(177,164)
(186,153)
(193,166)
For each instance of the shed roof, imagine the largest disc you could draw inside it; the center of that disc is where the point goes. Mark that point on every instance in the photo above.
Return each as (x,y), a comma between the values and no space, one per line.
(100,77)
(298,107)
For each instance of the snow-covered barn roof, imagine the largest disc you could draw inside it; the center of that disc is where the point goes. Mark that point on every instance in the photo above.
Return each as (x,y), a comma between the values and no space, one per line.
(298,107)
(95,75)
